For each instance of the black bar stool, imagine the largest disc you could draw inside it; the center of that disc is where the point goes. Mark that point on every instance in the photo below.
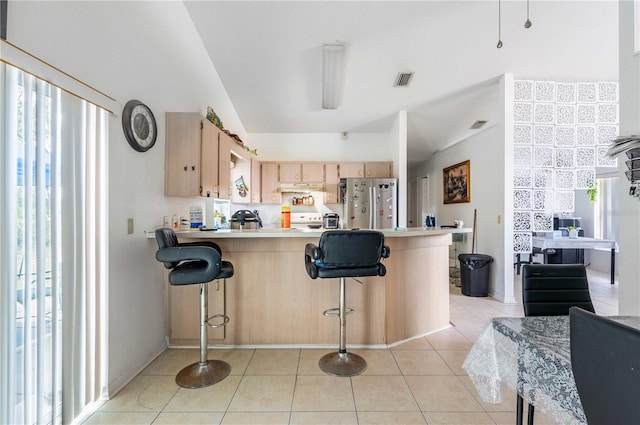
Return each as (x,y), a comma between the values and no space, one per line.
(345,253)
(196,263)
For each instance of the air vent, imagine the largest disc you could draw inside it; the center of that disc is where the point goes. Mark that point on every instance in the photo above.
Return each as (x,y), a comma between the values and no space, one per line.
(403,79)
(476,125)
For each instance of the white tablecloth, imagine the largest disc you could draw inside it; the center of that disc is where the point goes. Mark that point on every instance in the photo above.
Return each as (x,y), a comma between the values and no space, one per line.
(578,243)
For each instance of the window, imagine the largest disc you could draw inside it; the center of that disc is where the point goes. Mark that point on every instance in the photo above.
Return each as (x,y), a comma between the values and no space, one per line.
(605,222)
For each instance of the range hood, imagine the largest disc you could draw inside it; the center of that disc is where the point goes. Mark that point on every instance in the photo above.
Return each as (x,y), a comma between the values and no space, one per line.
(301,187)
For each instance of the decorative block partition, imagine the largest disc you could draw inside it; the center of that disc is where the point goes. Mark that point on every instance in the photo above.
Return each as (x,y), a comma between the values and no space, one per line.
(561,132)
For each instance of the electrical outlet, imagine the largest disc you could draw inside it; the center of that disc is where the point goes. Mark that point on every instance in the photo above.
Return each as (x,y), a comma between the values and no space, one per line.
(499,218)
(129,226)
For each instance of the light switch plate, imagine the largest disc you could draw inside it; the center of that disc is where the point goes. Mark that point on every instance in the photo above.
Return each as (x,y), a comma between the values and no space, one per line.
(129,226)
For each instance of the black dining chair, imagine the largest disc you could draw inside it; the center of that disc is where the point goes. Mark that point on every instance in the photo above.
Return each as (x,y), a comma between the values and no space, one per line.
(551,290)
(605,358)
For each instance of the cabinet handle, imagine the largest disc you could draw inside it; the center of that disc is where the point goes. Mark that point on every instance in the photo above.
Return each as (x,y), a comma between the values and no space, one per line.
(193,168)
(185,168)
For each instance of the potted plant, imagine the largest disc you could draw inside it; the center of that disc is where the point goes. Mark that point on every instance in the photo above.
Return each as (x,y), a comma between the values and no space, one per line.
(573,232)
(592,192)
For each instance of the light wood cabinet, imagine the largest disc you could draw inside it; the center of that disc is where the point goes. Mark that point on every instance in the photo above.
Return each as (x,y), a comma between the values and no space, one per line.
(331,184)
(224,169)
(184,312)
(191,149)
(351,169)
(256,178)
(270,184)
(290,172)
(312,172)
(378,169)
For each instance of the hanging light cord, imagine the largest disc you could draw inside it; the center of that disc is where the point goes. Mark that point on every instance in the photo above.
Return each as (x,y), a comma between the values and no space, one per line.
(527,23)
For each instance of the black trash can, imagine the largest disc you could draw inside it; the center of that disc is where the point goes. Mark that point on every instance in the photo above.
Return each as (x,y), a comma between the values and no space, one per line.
(474,274)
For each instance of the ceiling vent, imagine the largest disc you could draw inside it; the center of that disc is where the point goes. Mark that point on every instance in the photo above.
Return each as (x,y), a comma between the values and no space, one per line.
(403,79)
(478,124)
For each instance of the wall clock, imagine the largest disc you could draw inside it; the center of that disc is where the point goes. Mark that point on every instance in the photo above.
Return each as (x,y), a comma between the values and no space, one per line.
(139,125)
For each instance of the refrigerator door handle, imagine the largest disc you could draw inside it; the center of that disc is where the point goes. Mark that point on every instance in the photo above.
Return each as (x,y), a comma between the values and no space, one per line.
(372,207)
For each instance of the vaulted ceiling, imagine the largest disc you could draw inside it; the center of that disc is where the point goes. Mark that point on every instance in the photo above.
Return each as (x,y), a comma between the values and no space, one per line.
(269,57)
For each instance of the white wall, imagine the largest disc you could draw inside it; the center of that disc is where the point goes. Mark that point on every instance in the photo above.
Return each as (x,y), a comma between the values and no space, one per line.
(629,208)
(485,151)
(130,50)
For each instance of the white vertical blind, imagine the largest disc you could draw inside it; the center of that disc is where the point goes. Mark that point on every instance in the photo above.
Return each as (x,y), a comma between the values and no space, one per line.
(52,143)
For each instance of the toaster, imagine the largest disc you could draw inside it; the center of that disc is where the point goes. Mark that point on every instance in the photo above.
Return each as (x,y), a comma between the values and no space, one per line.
(331,221)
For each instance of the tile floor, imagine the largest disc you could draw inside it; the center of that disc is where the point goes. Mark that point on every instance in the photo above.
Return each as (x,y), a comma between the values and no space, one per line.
(419,382)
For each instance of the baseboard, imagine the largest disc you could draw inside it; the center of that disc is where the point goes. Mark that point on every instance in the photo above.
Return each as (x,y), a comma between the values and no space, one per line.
(125,378)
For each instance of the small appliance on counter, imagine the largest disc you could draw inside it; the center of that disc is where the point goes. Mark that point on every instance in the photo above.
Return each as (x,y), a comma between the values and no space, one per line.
(245,219)
(217,213)
(331,221)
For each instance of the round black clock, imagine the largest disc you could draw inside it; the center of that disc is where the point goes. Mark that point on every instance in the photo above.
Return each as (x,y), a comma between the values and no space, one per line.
(139,125)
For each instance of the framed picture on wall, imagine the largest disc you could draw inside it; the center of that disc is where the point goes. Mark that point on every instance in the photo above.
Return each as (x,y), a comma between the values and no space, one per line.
(456,181)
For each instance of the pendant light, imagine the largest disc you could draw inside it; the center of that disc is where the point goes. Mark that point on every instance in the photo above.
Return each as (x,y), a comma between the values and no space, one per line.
(499,45)
(527,23)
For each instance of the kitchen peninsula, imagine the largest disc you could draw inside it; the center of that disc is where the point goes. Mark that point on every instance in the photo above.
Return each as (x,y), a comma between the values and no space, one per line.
(271,301)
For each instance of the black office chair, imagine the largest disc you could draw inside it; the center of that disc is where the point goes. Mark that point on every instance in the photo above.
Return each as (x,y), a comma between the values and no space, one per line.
(551,290)
(196,263)
(605,358)
(345,253)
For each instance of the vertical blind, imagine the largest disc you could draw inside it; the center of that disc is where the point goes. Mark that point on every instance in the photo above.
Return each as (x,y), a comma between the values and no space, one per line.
(53,190)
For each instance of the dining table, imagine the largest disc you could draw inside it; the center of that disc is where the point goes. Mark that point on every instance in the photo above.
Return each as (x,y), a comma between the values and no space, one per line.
(532,356)
(546,244)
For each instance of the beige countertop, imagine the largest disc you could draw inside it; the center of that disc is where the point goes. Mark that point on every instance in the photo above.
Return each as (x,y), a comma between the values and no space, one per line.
(309,233)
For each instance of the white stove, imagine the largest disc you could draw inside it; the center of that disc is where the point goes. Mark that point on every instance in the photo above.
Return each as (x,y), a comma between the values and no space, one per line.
(306,220)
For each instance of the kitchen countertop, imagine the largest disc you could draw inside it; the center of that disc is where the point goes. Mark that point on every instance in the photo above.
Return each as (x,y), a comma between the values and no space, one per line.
(306,233)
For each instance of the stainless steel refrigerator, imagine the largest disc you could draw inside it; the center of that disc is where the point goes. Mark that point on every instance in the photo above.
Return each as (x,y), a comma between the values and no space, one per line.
(369,203)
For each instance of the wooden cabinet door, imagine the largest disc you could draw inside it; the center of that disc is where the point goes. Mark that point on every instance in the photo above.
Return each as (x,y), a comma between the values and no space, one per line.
(270,185)
(256,179)
(182,154)
(290,173)
(378,169)
(331,184)
(312,172)
(351,169)
(209,159)
(224,169)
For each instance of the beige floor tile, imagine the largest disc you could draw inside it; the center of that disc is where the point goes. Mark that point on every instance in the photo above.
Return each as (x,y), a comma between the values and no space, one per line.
(421,362)
(323,394)
(171,361)
(143,393)
(238,359)
(391,418)
(324,418)
(262,418)
(274,362)
(449,339)
(379,362)
(458,418)
(214,398)
(309,358)
(191,418)
(415,344)
(508,397)
(121,418)
(264,393)
(509,418)
(382,394)
(441,394)
(454,359)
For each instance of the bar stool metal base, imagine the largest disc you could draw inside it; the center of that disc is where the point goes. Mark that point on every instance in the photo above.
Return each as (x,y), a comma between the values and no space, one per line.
(199,375)
(342,364)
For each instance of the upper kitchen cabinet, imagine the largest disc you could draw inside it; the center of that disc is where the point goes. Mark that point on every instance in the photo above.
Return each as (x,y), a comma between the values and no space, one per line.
(331,184)
(256,181)
(312,172)
(270,184)
(191,155)
(351,169)
(225,144)
(290,172)
(378,169)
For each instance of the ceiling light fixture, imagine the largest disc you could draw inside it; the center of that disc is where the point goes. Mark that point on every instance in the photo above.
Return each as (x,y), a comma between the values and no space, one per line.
(499,45)
(332,75)
(527,23)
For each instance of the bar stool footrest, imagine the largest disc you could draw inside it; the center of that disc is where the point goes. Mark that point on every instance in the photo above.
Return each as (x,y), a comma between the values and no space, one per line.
(217,325)
(336,311)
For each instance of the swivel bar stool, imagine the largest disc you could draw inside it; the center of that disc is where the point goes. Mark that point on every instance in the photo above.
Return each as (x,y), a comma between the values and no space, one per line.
(345,253)
(196,263)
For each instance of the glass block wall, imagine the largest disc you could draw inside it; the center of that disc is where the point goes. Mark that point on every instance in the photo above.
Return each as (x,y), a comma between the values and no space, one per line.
(561,132)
